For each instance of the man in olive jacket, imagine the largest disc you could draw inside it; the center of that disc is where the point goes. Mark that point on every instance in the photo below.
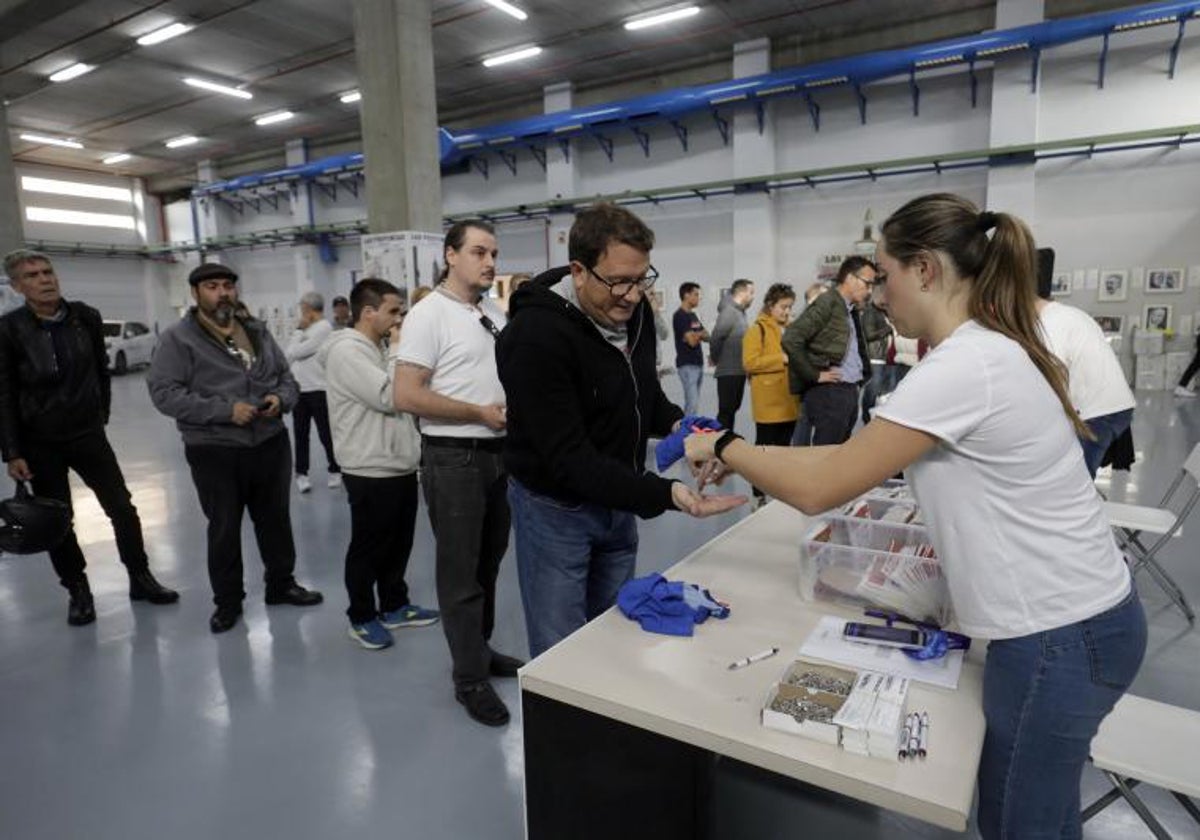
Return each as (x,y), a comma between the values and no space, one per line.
(827,354)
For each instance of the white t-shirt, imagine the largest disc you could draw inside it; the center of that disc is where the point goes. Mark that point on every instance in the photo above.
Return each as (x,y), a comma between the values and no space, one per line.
(446,336)
(1097,383)
(1020,530)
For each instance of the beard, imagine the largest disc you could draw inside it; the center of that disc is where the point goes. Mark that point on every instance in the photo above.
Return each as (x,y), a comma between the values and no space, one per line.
(222,313)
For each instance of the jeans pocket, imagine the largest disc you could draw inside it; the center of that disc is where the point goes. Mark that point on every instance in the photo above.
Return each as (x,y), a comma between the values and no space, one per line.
(1116,642)
(446,457)
(550,502)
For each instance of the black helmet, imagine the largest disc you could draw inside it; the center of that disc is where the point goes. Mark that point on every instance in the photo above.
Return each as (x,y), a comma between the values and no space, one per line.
(32,524)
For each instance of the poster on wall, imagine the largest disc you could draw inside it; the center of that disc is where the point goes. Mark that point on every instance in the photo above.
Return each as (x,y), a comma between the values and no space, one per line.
(1114,285)
(1157,317)
(827,267)
(1110,324)
(1060,284)
(1164,280)
(404,258)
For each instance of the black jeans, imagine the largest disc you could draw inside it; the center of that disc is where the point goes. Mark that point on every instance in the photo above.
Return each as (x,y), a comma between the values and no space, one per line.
(832,409)
(730,390)
(312,406)
(1193,366)
(466,493)
(93,460)
(383,516)
(233,479)
(772,434)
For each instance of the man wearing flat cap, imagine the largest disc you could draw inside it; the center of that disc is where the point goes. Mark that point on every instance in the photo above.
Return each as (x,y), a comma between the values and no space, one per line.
(223,378)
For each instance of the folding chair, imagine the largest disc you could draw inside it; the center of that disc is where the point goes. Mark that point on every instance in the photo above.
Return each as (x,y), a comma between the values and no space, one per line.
(1162,522)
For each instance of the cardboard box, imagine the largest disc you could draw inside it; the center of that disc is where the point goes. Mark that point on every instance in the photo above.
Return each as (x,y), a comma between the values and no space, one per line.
(786,688)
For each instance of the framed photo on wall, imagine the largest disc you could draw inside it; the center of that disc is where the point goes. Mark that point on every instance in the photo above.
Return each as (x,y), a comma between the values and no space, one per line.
(1164,280)
(1114,285)
(1156,317)
(1110,324)
(1060,284)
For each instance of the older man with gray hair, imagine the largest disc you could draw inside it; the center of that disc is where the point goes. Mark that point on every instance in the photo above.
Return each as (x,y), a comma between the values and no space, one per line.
(301,353)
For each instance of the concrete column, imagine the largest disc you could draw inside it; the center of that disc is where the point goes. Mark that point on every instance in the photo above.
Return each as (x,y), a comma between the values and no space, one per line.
(562,174)
(160,299)
(754,246)
(206,222)
(296,153)
(1012,189)
(12,233)
(393,41)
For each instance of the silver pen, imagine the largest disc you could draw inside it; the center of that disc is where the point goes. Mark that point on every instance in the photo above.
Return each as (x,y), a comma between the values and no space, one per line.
(923,739)
(752,658)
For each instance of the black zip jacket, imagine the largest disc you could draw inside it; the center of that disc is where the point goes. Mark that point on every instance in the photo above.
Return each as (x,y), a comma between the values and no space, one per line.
(580,410)
(54,382)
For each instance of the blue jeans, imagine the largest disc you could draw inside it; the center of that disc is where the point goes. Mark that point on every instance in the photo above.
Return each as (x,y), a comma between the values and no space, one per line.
(1044,696)
(690,376)
(571,560)
(1107,428)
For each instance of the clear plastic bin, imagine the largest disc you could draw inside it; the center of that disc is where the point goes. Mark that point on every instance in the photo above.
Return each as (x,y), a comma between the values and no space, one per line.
(865,562)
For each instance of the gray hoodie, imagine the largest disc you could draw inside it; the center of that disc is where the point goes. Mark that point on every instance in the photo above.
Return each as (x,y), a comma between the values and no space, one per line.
(370,438)
(196,380)
(725,345)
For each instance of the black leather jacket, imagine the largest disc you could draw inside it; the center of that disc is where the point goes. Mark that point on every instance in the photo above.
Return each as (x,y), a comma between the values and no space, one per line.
(51,390)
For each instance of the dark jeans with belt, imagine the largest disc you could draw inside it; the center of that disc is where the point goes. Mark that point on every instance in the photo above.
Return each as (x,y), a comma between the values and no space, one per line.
(92,458)
(383,515)
(832,409)
(312,407)
(233,479)
(465,486)
(730,391)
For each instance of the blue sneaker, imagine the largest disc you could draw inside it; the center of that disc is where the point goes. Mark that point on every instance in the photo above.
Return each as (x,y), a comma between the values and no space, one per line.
(409,616)
(371,634)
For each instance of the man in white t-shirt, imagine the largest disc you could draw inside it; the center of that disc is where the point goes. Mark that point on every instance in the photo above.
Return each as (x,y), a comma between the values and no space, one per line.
(446,376)
(1097,384)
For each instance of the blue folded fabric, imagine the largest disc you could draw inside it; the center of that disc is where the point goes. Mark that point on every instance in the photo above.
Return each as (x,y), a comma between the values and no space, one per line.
(670,449)
(673,608)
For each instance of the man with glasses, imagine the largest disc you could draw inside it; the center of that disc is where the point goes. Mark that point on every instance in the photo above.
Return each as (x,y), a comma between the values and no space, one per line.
(827,354)
(577,364)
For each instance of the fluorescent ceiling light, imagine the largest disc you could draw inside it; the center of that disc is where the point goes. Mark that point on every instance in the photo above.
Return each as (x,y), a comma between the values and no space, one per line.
(508,8)
(350,97)
(55,187)
(179,142)
(72,72)
(271,119)
(662,17)
(119,157)
(75,217)
(516,55)
(216,88)
(166,33)
(52,141)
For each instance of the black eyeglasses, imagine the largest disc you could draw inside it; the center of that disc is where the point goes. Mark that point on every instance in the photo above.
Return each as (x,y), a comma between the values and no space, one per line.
(879,280)
(620,288)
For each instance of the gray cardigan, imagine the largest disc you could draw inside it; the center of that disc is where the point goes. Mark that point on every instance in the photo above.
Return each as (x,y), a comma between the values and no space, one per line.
(196,380)
(725,345)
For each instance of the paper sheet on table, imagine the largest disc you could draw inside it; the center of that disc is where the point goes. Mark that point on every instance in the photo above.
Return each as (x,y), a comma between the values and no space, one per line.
(826,643)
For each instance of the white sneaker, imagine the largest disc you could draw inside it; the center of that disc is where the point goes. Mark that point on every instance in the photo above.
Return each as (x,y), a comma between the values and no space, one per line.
(303,484)
(335,480)
(1180,391)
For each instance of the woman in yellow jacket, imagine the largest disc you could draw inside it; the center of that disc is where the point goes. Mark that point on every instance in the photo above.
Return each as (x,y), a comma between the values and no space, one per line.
(774,406)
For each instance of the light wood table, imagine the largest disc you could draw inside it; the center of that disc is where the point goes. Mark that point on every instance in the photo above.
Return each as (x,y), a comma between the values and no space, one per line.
(621,725)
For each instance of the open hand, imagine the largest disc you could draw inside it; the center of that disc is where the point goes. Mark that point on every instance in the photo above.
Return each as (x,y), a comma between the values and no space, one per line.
(699,505)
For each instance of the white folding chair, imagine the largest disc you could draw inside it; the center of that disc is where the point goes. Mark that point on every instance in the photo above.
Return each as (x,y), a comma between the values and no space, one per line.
(1163,522)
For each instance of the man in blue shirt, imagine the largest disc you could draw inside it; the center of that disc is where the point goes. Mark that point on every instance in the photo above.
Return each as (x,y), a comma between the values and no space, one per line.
(689,333)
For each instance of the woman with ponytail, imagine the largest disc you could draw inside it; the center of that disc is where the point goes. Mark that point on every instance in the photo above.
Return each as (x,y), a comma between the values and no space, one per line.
(985,431)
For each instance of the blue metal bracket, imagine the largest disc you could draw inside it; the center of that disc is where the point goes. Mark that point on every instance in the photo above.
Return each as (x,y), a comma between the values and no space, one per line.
(539,154)
(509,159)
(916,91)
(681,132)
(1035,66)
(702,194)
(564,146)
(329,189)
(862,103)
(760,111)
(811,183)
(232,204)
(1103,62)
(974,81)
(352,185)
(937,167)
(643,139)
(814,110)
(481,165)
(871,172)
(606,144)
(722,126)
(651,199)
(1175,47)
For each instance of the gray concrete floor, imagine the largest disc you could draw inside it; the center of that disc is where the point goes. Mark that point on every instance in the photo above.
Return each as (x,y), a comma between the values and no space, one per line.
(145,725)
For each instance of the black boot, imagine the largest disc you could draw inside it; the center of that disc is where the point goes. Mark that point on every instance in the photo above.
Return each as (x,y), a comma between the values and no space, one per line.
(80,609)
(143,587)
